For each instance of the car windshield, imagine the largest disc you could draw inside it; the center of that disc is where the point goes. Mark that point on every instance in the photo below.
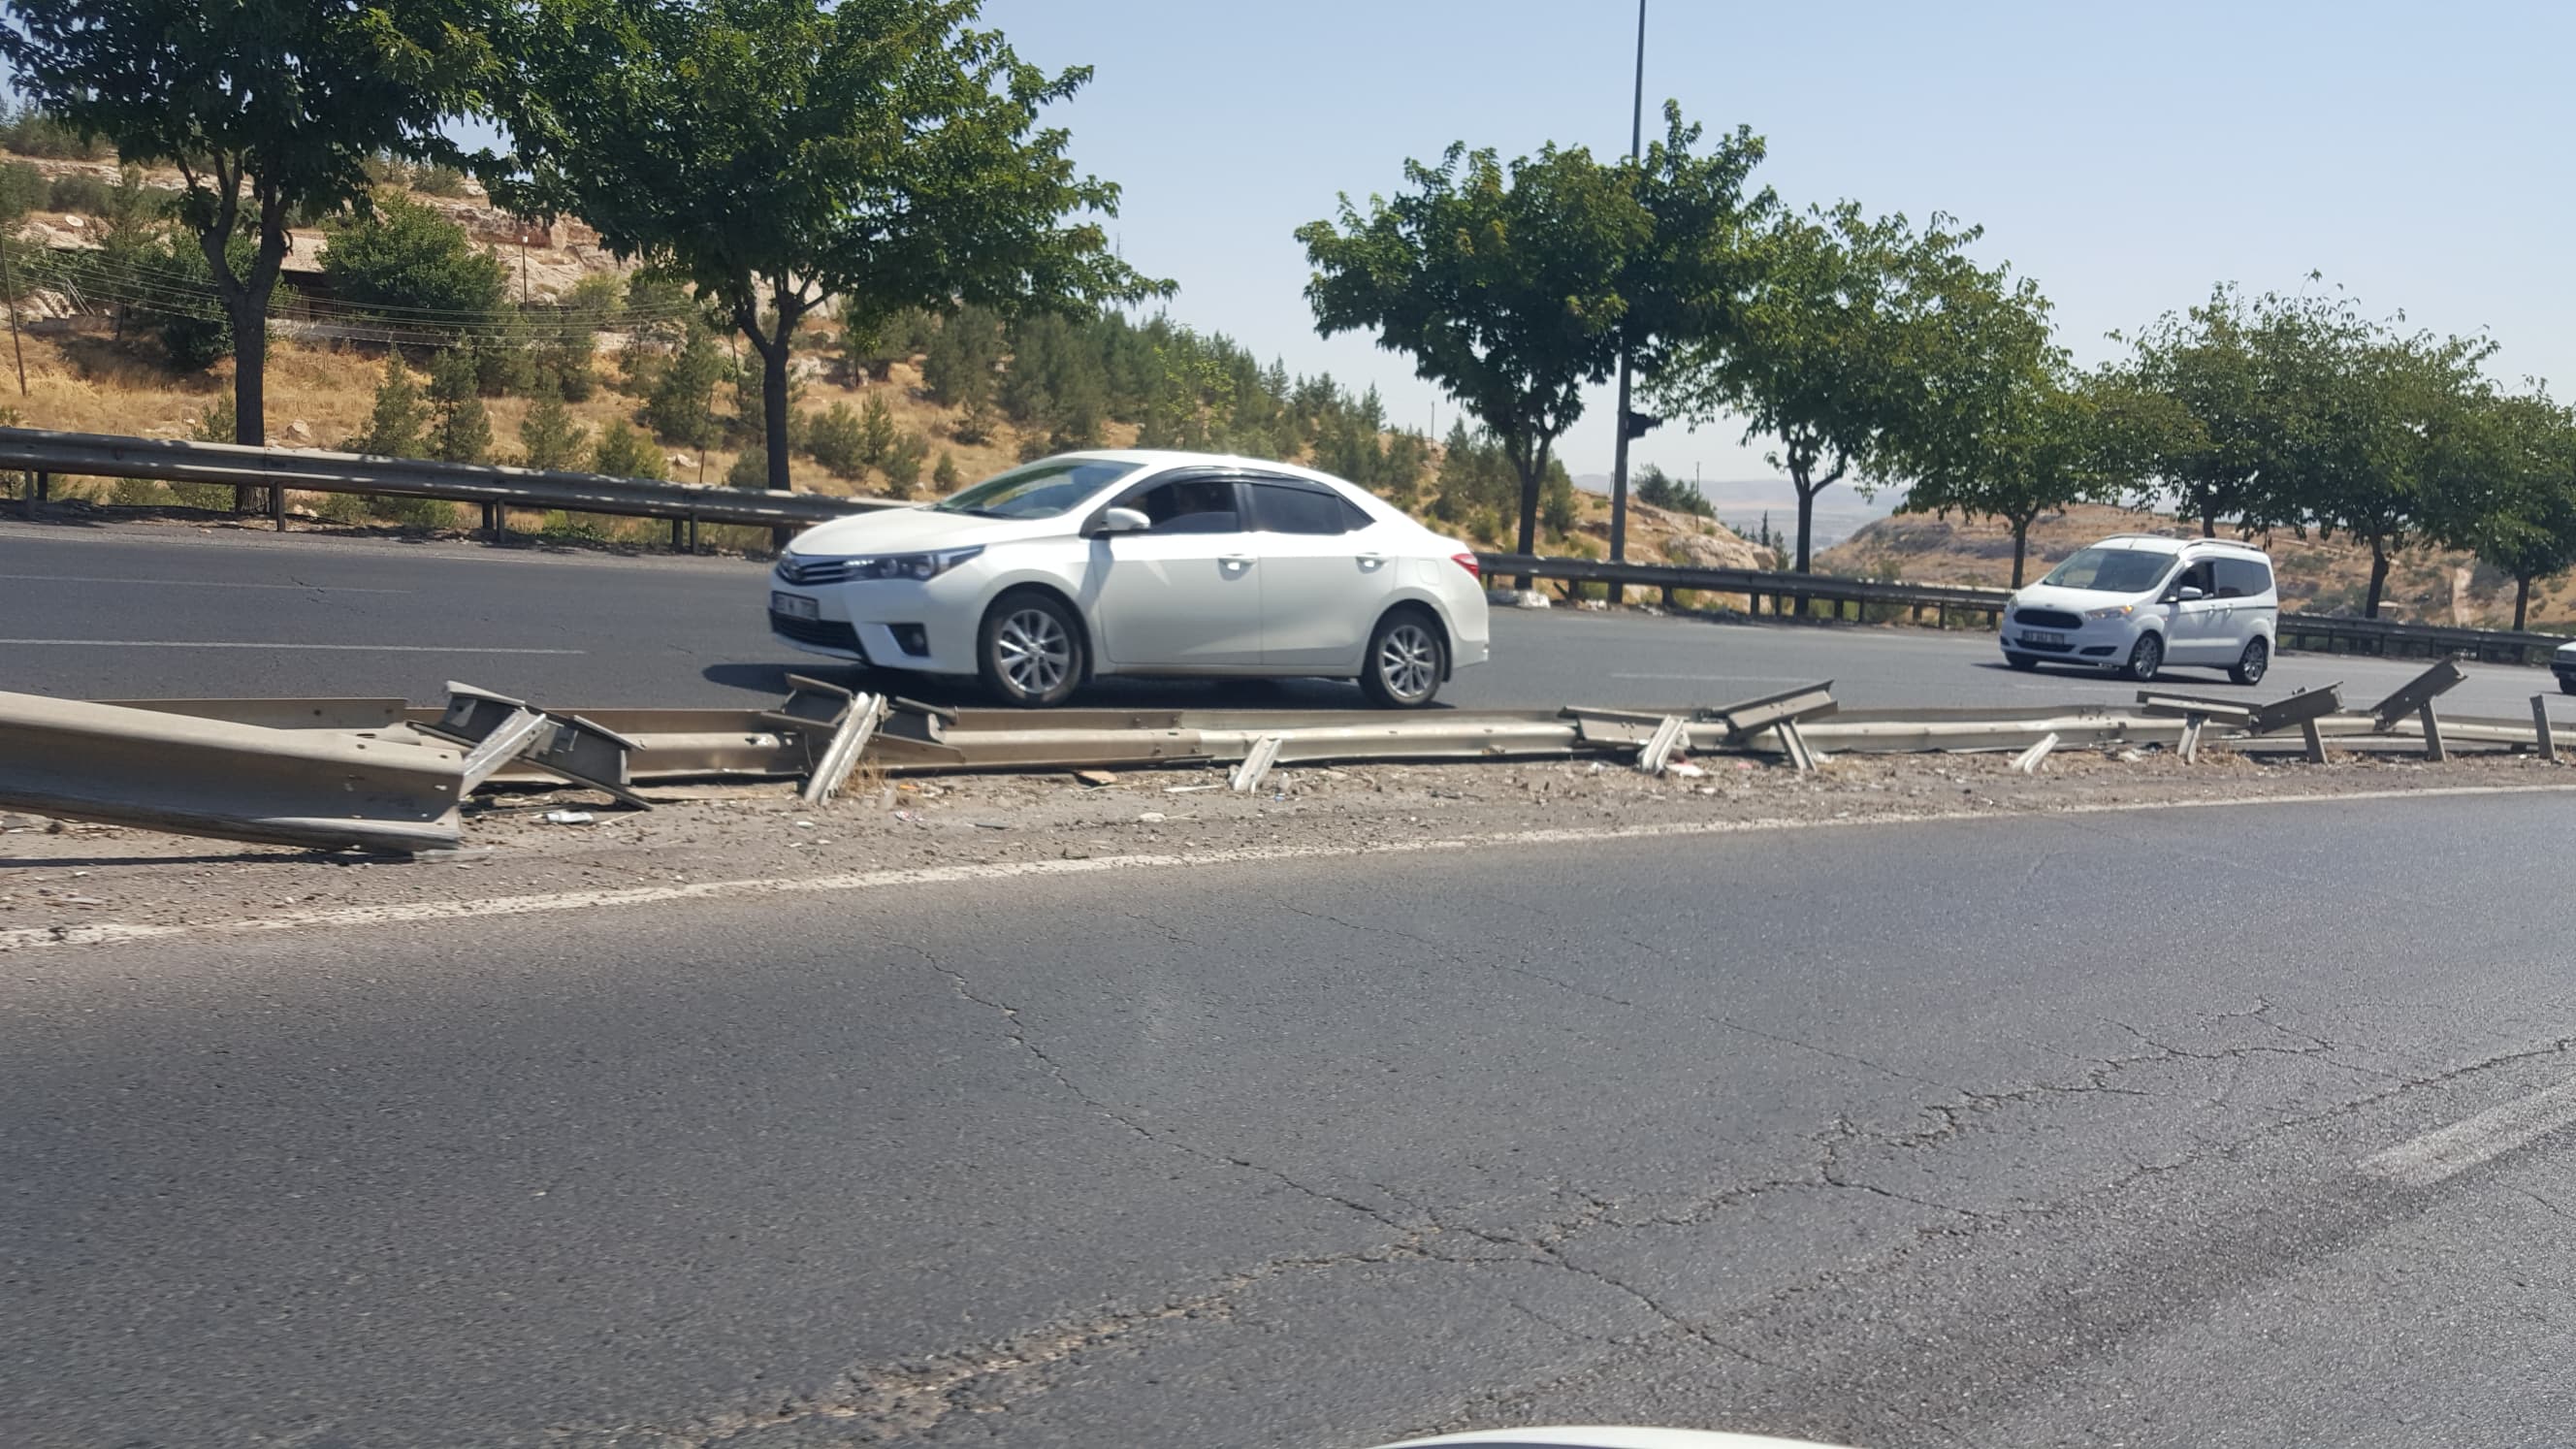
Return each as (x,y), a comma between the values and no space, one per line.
(2110,570)
(1040,490)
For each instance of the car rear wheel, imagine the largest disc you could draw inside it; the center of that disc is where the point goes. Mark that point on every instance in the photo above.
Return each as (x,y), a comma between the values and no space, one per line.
(1030,651)
(2145,658)
(2566,685)
(2022,661)
(1405,662)
(2251,664)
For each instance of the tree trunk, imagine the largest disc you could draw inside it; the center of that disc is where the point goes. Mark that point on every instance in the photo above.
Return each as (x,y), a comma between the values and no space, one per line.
(2378,578)
(2521,599)
(2021,547)
(773,408)
(2208,525)
(250,389)
(1531,480)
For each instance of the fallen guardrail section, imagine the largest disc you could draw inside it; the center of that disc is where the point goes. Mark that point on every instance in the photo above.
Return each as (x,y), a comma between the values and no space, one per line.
(381,775)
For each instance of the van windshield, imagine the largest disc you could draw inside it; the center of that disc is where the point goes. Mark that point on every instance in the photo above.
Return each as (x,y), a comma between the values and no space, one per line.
(2111,570)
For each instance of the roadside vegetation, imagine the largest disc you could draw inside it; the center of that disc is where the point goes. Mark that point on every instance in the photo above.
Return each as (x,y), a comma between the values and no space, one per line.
(932,293)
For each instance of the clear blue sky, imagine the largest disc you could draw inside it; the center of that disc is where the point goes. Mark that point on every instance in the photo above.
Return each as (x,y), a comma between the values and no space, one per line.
(2128,156)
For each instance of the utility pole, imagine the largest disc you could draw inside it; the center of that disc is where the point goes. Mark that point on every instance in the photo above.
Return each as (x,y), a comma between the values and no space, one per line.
(1627,420)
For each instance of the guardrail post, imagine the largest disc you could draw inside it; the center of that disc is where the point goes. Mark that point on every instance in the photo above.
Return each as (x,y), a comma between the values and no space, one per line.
(2540,728)
(2433,749)
(277,509)
(693,530)
(679,531)
(44,486)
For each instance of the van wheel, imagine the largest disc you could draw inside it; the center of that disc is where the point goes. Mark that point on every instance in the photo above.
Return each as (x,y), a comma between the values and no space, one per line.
(2022,661)
(2146,658)
(2251,664)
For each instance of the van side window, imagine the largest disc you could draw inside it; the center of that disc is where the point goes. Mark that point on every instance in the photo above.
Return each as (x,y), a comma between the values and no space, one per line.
(2243,578)
(2196,576)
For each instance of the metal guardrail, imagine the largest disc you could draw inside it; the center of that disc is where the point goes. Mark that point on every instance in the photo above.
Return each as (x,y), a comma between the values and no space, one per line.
(2323,633)
(169,460)
(1755,584)
(195,776)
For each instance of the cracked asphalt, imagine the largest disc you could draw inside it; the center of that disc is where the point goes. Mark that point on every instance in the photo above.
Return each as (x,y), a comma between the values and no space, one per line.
(2026,1131)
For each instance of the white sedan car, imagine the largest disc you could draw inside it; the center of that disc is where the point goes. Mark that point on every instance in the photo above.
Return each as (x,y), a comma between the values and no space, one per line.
(1139,563)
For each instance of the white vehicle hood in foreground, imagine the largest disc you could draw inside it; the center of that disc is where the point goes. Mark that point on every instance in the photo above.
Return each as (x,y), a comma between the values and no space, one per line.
(2073,601)
(917,530)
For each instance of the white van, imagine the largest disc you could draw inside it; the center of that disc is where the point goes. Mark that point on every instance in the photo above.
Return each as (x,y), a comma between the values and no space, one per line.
(2135,602)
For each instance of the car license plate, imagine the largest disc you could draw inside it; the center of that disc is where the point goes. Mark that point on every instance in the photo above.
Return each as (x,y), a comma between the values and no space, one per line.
(794,606)
(2042,636)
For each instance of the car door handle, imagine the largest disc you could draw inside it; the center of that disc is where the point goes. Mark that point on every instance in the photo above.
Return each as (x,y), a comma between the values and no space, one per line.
(1235,561)
(1371,561)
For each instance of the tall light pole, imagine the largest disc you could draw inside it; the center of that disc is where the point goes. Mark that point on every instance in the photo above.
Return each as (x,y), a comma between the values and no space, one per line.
(1627,420)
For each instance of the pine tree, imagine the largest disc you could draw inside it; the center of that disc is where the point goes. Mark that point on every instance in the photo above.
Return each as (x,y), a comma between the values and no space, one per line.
(621,451)
(462,432)
(943,479)
(958,366)
(548,433)
(876,431)
(835,439)
(903,464)
(394,428)
(682,407)
(750,470)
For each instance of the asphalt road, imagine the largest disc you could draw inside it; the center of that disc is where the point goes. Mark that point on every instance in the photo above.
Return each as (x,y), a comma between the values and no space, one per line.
(144,611)
(2071,1131)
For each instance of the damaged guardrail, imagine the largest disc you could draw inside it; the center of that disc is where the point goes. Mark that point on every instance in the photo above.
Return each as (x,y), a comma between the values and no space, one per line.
(380,774)
(383,791)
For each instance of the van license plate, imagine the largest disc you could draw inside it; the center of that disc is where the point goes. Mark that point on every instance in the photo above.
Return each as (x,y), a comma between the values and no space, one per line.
(2043,636)
(794,606)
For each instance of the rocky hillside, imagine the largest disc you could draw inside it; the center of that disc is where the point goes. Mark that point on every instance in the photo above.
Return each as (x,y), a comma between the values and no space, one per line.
(2431,585)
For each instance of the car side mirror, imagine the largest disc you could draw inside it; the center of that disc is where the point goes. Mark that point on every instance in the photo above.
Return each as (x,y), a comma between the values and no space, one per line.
(2187,593)
(1121,520)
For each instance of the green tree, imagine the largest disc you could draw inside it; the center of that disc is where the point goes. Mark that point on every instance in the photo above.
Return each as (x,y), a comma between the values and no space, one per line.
(622,451)
(1658,489)
(682,406)
(460,431)
(394,428)
(1515,288)
(1825,359)
(548,433)
(409,265)
(959,366)
(195,330)
(782,152)
(750,469)
(944,478)
(903,462)
(2203,363)
(267,111)
(876,431)
(835,441)
(2508,490)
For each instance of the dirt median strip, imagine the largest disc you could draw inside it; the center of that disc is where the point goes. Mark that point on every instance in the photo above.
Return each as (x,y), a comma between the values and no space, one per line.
(72,885)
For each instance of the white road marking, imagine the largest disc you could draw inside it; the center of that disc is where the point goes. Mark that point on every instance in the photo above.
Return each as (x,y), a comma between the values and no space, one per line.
(199,584)
(261,644)
(112,933)
(2485,1137)
(1728,678)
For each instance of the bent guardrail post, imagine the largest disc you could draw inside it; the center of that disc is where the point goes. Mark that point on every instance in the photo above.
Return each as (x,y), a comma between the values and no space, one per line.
(500,730)
(2540,728)
(192,776)
(849,738)
(2416,697)
(2303,709)
(1670,733)
(2196,713)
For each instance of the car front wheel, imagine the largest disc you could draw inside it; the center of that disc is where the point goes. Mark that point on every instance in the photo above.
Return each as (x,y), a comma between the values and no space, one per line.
(2146,658)
(1030,651)
(1406,659)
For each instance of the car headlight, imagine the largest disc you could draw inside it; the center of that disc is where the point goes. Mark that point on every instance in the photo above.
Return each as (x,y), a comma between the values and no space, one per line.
(914,566)
(2120,611)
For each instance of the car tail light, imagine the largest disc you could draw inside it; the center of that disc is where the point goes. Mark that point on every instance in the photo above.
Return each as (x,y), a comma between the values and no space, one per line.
(1467,561)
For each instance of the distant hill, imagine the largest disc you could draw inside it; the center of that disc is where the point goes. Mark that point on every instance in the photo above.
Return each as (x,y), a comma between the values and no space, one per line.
(1741,503)
(2430,585)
